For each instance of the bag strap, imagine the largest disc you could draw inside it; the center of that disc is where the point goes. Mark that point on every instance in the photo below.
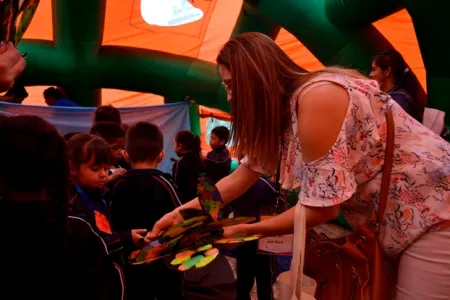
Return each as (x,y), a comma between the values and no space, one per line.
(387,169)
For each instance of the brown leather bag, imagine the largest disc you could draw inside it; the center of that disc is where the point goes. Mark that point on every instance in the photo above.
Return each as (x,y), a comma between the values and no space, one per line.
(352,267)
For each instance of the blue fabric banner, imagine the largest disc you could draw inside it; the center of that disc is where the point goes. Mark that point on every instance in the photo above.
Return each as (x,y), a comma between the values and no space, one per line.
(171,118)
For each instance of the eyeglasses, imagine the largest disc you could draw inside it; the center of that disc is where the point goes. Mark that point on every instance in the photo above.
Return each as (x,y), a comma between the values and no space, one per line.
(227,85)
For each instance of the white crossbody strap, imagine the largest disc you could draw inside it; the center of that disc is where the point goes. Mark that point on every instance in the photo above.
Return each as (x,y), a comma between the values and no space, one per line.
(298,251)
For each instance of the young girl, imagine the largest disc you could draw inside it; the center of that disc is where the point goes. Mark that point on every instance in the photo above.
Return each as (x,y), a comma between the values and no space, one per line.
(188,167)
(90,161)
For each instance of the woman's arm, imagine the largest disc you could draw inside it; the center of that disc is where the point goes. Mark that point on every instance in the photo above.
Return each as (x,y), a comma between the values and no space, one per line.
(321,112)
(230,187)
(284,223)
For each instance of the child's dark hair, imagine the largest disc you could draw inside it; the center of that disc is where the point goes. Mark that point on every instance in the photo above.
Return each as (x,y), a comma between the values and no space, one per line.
(189,141)
(222,133)
(33,159)
(69,135)
(109,131)
(83,147)
(144,142)
(31,142)
(107,113)
(402,75)
(53,92)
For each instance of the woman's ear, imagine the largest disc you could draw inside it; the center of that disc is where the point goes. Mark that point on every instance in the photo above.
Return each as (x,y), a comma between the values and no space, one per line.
(161,156)
(388,71)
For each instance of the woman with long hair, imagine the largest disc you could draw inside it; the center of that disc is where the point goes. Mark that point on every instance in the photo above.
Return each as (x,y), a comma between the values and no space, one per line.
(329,130)
(390,70)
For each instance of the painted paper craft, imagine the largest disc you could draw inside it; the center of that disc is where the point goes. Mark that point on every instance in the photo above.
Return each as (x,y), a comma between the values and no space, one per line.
(231,222)
(209,198)
(194,259)
(15,17)
(189,244)
(237,240)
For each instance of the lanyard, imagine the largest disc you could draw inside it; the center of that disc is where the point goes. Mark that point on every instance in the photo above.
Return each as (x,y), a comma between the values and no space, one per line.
(89,202)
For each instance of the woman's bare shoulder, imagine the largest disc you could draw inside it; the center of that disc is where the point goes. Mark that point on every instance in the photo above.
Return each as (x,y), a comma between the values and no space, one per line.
(321,112)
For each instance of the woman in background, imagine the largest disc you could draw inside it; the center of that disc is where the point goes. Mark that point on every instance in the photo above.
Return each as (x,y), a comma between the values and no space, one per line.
(394,77)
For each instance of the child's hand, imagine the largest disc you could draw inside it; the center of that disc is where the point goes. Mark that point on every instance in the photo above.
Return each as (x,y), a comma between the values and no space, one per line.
(138,239)
(118,173)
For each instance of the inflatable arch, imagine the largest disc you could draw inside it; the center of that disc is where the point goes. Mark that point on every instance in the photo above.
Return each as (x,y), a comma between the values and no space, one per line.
(337,32)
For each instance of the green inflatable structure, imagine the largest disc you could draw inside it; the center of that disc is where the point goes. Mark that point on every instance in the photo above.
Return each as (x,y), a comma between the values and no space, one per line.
(337,32)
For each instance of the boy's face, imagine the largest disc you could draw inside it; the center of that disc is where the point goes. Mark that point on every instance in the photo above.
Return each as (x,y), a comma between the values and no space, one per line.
(215,142)
(177,148)
(117,150)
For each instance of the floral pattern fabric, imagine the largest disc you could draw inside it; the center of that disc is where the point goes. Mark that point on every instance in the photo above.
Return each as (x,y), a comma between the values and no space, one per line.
(350,173)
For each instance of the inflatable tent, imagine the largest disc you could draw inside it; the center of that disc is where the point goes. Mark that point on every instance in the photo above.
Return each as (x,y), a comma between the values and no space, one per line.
(90,47)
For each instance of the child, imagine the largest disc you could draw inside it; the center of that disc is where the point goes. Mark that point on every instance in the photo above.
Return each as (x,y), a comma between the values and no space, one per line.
(218,161)
(90,160)
(139,200)
(109,113)
(114,135)
(249,264)
(188,167)
(69,135)
(71,261)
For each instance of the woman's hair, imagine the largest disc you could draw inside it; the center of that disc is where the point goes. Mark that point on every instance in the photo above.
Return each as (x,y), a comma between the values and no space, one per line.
(83,147)
(263,79)
(189,141)
(402,75)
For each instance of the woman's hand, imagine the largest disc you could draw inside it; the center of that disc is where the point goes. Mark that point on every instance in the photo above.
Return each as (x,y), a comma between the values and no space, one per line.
(236,231)
(168,220)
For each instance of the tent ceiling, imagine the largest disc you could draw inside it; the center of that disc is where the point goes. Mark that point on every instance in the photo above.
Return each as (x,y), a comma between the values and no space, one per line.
(124,27)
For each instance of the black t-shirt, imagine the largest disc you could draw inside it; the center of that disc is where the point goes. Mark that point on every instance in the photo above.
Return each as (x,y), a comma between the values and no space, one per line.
(186,171)
(140,198)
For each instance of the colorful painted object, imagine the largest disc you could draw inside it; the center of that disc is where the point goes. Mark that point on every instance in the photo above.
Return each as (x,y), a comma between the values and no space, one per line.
(237,240)
(189,259)
(15,17)
(195,236)
(231,222)
(209,198)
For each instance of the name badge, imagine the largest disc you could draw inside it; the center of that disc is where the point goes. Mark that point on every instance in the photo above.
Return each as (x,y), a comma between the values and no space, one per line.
(281,245)
(102,222)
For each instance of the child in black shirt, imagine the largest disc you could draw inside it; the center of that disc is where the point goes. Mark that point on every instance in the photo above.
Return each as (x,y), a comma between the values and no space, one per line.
(140,198)
(114,135)
(249,264)
(90,160)
(218,161)
(187,168)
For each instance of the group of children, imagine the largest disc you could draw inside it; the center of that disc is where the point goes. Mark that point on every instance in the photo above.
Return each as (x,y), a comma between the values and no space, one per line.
(107,192)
